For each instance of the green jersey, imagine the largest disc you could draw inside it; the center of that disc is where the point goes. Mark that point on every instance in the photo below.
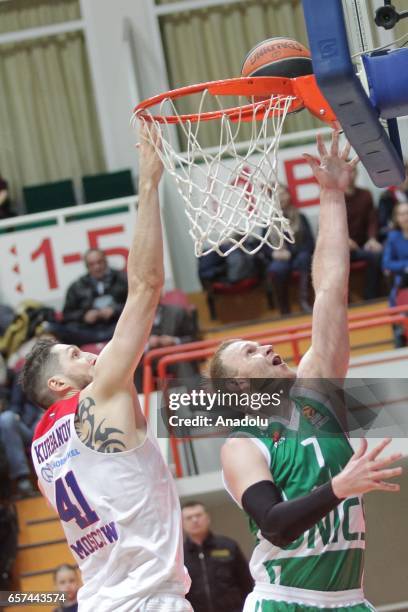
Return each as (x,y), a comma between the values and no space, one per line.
(303,454)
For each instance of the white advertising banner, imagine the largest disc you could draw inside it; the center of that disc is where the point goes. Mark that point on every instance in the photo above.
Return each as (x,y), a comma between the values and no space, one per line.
(41,263)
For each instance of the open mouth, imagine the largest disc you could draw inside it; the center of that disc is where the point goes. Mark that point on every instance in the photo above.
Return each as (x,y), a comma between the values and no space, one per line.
(277,360)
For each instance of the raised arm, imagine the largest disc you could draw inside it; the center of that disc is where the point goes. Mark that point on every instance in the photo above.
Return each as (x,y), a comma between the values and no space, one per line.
(328,356)
(116,364)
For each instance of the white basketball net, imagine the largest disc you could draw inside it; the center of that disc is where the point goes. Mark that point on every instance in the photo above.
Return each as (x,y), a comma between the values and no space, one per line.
(231,193)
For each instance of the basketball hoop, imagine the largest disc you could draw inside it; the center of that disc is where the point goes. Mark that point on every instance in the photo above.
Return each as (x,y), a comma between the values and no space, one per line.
(231,192)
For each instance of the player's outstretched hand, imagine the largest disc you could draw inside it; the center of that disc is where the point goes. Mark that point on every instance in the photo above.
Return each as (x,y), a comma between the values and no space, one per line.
(366,471)
(334,171)
(150,164)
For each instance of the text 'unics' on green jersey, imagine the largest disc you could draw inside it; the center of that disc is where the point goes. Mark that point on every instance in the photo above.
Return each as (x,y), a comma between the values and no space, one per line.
(303,454)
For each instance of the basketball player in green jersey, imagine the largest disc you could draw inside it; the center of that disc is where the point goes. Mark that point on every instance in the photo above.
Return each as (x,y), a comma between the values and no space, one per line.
(300,482)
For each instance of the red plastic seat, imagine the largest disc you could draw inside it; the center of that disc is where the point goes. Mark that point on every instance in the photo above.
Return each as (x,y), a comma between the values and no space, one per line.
(234,288)
(219,288)
(402,297)
(358,265)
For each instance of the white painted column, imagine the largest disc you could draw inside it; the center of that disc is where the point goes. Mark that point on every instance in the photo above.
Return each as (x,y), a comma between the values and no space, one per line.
(126,61)
(127,65)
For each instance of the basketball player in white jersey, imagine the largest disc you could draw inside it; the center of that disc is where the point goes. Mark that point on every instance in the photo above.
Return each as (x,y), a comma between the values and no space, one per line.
(95,459)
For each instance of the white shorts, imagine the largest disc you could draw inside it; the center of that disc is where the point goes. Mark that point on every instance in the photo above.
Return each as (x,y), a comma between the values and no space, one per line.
(276,598)
(165,603)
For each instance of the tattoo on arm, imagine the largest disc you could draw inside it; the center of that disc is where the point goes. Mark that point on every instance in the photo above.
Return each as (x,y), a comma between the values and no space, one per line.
(93,433)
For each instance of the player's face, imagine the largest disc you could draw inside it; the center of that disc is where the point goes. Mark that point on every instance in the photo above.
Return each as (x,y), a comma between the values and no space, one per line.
(66,581)
(245,359)
(196,521)
(76,365)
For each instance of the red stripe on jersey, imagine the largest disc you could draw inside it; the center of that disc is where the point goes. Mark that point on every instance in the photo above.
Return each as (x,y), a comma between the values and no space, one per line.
(56,411)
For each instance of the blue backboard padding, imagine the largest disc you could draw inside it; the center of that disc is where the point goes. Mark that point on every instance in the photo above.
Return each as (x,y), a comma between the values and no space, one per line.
(341,87)
(387,75)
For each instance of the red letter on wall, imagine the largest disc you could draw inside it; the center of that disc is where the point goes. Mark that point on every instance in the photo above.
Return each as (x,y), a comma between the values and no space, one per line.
(294,183)
(93,239)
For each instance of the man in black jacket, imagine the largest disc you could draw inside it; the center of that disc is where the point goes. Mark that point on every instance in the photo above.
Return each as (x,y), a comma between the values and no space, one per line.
(296,257)
(220,578)
(172,325)
(93,303)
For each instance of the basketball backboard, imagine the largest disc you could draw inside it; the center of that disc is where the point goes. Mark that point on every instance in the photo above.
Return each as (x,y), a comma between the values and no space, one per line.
(231,190)
(337,30)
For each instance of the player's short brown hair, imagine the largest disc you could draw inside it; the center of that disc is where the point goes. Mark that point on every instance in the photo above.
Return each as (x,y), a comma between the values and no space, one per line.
(217,367)
(41,363)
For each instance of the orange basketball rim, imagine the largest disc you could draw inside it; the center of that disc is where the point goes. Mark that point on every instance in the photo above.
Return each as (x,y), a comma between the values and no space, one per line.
(304,91)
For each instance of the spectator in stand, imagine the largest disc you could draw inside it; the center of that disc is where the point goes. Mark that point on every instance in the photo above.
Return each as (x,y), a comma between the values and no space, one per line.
(17,425)
(172,325)
(5,483)
(67,582)
(212,269)
(7,316)
(388,200)
(93,303)
(363,229)
(235,267)
(220,577)
(5,204)
(292,257)
(395,261)
(3,372)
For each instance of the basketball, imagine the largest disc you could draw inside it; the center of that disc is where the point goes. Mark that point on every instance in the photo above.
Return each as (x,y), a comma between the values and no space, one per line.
(279,57)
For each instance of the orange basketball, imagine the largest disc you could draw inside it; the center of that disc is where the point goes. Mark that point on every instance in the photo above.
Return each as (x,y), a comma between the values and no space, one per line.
(278,57)
(281,57)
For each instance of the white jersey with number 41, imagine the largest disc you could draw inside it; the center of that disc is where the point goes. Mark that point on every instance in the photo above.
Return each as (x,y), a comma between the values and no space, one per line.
(120,513)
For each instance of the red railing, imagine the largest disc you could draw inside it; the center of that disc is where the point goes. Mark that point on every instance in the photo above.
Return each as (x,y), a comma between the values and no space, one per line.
(292,334)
